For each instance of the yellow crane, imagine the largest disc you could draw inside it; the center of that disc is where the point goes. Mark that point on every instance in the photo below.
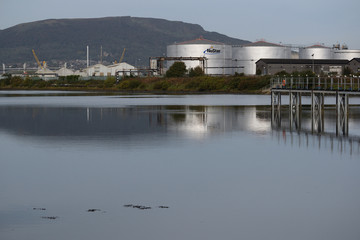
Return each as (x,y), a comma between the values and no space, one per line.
(122,56)
(37,60)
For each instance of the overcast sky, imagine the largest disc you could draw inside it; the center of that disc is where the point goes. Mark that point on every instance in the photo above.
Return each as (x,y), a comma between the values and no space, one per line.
(303,22)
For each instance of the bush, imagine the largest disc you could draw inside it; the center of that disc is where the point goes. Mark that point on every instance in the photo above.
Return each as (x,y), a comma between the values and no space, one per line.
(239,74)
(129,84)
(28,82)
(16,81)
(178,69)
(6,81)
(196,72)
(161,85)
(192,84)
(283,74)
(41,84)
(109,82)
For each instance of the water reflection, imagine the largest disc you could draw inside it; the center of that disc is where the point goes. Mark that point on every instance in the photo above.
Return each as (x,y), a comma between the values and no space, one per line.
(143,122)
(329,141)
(195,121)
(321,126)
(220,168)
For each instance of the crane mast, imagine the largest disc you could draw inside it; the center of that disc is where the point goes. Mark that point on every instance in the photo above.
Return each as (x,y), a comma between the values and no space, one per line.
(122,56)
(37,60)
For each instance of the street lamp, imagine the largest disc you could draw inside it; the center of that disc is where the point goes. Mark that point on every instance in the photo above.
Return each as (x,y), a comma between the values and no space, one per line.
(313,63)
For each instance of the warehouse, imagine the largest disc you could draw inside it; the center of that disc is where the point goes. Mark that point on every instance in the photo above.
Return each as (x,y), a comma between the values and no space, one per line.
(354,65)
(122,69)
(100,70)
(64,71)
(318,66)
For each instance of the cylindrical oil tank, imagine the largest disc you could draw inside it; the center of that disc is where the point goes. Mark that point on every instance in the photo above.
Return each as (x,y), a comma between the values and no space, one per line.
(316,52)
(346,54)
(246,56)
(218,55)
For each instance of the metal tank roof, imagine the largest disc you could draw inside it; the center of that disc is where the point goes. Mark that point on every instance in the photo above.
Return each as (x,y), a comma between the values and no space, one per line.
(318,46)
(262,44)
(200,40)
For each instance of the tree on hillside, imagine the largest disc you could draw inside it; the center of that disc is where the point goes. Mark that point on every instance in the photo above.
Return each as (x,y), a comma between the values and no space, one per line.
(178,69)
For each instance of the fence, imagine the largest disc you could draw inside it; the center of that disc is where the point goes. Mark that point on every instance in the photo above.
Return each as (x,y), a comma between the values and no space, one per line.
(317,83)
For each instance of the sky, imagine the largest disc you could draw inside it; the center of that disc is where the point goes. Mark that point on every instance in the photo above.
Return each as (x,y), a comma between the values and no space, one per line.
(305,22)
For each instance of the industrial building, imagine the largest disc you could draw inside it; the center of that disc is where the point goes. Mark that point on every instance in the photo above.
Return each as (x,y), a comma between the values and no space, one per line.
(46,74)
(318,66)
(222,59)
(64,71)
(100,70)
(354,65)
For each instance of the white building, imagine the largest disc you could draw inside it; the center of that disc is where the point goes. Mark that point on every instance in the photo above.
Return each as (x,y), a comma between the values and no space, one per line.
(97,70)
(100,70)
(122,69)
(46,74)
(63,72)
(80,73)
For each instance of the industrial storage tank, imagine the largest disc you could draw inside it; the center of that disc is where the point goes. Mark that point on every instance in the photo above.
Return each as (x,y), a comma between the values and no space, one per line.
(246,56)
(316,52)
(346,54)
(218,55)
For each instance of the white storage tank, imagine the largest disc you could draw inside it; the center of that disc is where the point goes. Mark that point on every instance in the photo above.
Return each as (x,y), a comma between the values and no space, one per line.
(346,54)
(316,52)
(218,55)
(246,56)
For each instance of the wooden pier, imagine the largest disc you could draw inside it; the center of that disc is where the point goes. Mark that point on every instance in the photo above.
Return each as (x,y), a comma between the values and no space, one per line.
(318,88)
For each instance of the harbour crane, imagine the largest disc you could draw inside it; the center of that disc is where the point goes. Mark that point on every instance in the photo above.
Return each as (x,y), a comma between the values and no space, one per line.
(38,62)
(122,56)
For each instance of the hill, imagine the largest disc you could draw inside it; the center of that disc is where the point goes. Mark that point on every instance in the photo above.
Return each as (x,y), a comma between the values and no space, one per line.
(60,40)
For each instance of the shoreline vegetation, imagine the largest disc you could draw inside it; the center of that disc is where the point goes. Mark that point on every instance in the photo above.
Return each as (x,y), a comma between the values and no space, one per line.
(166,85)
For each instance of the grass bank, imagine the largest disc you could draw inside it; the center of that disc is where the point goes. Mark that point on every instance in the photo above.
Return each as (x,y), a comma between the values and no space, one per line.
(202,84)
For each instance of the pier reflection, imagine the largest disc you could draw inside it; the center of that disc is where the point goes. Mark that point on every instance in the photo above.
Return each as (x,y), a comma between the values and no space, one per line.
(331,142)
(323,127)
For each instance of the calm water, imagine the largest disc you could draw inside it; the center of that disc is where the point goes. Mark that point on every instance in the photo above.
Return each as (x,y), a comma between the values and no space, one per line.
(214,162)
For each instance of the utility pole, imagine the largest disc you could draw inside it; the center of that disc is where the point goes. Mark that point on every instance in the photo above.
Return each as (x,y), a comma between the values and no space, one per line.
(87,56)
(101,54)
(313,63)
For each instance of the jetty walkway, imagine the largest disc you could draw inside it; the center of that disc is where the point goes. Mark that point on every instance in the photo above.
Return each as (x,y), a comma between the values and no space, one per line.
(318,88)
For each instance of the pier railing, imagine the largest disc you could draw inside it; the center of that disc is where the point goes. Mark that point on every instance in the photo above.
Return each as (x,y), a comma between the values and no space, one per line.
(342,83)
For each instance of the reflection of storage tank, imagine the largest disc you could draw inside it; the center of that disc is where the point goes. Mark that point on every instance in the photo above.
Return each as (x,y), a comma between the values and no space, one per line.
(245,57)
(316,52)
(219,55)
